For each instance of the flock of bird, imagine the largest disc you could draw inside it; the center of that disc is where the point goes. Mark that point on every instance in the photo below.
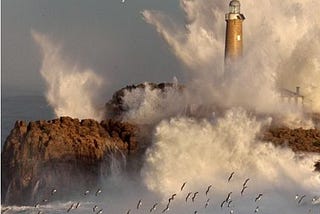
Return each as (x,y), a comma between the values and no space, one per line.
(226,204)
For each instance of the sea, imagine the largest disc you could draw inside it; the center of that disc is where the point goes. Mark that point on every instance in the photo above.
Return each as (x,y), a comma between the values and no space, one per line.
(274,174)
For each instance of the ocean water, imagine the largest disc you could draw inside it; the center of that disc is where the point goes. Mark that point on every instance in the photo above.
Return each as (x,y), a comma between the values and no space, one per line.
(200,153)
(26,108)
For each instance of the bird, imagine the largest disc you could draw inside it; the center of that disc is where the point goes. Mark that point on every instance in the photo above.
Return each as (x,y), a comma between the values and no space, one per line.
(100,211)
(300,200)
(98,192)
(86,192)
(183,185)
(223,202)
(258,198)
(45,200)
(207,203)
(188,196)
(154,207)
(36,205)
(230,176)
(172,197)
(77,205)
(70,208)
(139,204)
(256,210)
(53,191)
(315,200)
(208,189)
(94,208)
(165,209)
(245,182)
(128,212)
(228,197)
(243,188)
(194,196)
(195,212)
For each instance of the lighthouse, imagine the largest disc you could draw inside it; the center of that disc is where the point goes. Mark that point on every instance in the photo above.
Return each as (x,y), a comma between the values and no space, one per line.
(233,45)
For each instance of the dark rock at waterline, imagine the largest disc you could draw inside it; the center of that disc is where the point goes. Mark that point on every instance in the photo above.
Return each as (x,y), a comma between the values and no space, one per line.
(66,154)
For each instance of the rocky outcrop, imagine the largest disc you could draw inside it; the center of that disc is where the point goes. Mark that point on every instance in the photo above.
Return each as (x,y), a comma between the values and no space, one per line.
(64,153)
(72,155)
(299,140)
(115,107)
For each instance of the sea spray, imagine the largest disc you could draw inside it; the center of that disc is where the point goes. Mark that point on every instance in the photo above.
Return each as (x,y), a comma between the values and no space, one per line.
(149,105)
(71,90)
(199,44)
(203,153)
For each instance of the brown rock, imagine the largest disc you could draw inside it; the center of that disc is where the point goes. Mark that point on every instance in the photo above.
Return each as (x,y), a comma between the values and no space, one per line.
(299,140)
(64,153)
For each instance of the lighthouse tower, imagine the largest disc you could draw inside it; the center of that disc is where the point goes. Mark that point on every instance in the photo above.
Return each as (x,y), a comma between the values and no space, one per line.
(234,19)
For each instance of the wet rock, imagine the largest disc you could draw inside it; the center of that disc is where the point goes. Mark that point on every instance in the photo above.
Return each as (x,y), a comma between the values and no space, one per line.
(64,153)
(299,140)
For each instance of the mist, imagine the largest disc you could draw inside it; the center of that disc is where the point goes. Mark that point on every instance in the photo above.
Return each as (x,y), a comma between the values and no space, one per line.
(70,89)
(276,34)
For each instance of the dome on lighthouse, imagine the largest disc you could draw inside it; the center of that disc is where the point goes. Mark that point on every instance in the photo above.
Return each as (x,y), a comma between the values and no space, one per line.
(234,6)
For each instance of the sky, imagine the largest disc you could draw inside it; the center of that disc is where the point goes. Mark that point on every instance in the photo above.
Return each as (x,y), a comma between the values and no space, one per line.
(106,36)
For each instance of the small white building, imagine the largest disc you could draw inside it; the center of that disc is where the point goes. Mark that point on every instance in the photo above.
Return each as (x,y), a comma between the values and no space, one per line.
(292,96)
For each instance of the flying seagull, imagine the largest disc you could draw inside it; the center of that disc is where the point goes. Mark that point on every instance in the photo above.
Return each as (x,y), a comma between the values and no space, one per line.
(300,200)
(230,176)
(188,196)
(172,197)
(208,189)
(153,207)
(256,210)
(166,209)
(53,191)
(194,196)
(183,185)
(70,208)
(98,192)
(139,204)
(221,205)
(228,197)
(243,188)
(258,198)
(245,182)
(207,203)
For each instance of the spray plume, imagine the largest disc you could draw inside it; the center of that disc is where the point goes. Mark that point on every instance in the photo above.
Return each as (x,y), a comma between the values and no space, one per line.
(70,89)
(275,33)
(206,152)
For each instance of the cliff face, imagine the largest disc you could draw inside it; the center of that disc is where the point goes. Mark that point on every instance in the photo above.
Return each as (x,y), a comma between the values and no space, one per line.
(64,153)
